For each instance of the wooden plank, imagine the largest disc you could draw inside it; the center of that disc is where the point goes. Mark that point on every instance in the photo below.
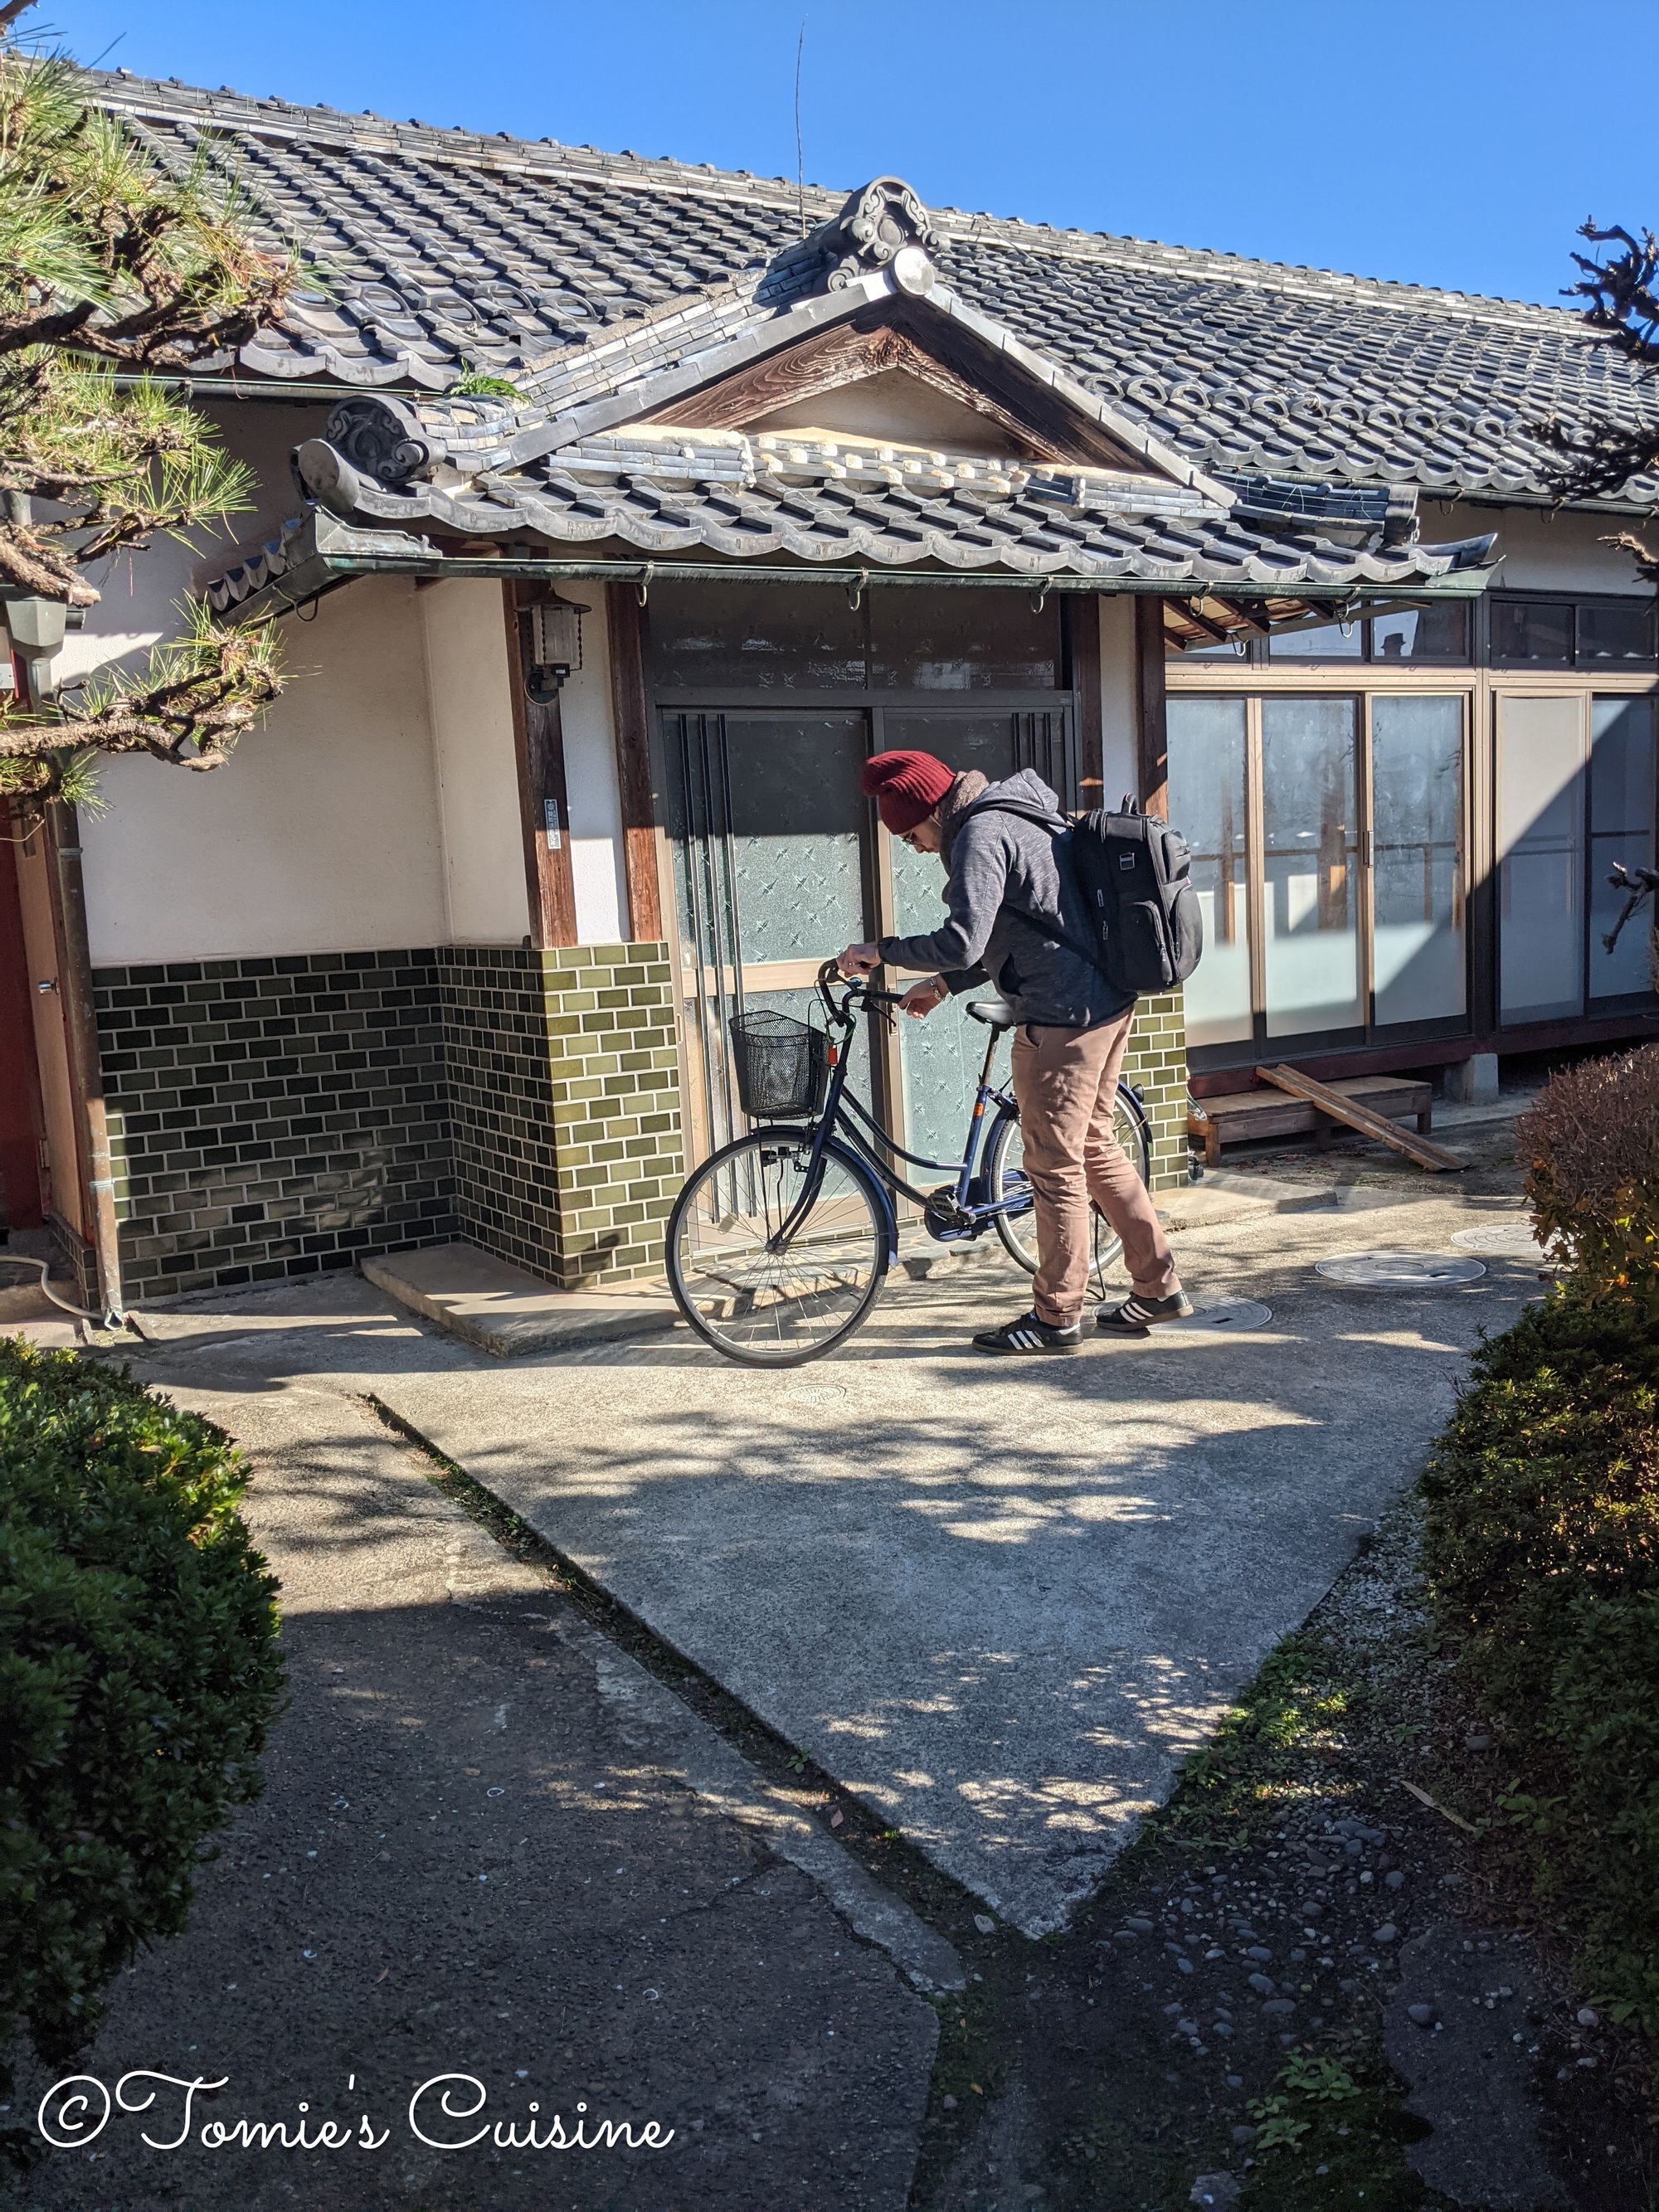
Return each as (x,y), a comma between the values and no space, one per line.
(1383,1094)
(632,737)
(1416,1149)
(538,747)
(1083,617)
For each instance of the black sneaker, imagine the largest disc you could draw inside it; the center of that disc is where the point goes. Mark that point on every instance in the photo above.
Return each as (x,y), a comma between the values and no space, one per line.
(1028,1333)
(1137,1316)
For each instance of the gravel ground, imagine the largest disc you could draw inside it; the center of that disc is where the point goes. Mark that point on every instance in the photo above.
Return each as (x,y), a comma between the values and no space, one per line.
(1301,1991)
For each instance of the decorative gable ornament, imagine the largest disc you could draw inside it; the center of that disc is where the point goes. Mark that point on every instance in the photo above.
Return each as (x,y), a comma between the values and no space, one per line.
(883,226)
(381,437)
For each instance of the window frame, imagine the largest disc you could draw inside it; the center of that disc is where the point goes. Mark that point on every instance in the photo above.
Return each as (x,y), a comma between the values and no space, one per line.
(1258,652)
(1371,1034)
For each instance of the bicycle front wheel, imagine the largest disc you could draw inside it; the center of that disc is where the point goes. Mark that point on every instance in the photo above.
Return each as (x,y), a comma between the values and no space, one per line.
(761,1274)
(1005,1176)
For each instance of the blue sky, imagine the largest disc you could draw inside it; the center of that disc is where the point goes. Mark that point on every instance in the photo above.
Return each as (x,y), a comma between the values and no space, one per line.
(1456,142)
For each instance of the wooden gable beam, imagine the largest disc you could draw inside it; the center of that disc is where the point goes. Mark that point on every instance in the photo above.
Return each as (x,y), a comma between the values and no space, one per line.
(829,362)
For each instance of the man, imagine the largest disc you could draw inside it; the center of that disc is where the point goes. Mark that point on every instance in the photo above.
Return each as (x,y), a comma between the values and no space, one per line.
(1017,919)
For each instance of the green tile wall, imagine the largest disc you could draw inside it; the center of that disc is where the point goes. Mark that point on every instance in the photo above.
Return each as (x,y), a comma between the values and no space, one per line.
(1156,1064)
(564,1097)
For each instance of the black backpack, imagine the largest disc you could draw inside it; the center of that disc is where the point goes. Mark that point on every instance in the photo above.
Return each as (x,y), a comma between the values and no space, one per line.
(1132,870)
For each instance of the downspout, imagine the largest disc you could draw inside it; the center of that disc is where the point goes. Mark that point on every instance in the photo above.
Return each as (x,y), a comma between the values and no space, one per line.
(80,1022)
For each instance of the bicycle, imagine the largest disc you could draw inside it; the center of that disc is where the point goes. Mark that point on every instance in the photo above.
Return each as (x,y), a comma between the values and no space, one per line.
(779,1244)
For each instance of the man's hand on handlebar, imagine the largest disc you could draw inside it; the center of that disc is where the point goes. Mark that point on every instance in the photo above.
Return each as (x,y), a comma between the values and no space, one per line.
(859,960)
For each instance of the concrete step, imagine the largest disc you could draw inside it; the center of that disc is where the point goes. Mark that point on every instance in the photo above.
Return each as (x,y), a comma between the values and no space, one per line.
(500,1309)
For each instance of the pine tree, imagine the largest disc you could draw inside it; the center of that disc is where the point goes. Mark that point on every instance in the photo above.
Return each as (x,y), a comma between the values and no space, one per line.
(118,275)
(1599,458)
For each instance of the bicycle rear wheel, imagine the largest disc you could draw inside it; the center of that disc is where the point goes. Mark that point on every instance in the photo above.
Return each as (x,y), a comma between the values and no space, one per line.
(753,1295)
(1005,1177)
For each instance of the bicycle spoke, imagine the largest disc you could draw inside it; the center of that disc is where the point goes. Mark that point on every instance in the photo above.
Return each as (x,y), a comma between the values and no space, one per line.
(763,1279)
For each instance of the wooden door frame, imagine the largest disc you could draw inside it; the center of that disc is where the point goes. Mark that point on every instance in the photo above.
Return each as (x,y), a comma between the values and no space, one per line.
(543,800)
(17,997)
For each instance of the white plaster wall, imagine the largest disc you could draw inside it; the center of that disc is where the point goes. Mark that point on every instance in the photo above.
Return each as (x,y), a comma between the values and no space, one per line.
(1543,551)
(1120,769)
(486,899)
(320,834)
(597,868)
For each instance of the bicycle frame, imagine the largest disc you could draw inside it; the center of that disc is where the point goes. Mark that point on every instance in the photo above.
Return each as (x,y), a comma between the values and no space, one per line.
(841,1115)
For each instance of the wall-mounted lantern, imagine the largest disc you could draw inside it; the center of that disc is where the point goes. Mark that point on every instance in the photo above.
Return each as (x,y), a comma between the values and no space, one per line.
(555,646)
(35,630)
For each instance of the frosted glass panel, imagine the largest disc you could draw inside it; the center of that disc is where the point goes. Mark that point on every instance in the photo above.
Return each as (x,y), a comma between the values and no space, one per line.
(941,1057)
(1207,805)
(1622,768)
(1418,966)
(795,812)
(1311,855)
(985,741)
(1540,843)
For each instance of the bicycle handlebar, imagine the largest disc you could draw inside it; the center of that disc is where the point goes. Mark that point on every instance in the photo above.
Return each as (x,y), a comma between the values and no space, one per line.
(852,988)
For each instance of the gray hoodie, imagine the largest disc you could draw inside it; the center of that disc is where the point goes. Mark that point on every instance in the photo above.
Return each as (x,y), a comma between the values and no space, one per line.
(997,862)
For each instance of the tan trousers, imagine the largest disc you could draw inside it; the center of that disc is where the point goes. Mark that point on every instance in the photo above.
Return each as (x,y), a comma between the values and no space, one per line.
(1065,1081)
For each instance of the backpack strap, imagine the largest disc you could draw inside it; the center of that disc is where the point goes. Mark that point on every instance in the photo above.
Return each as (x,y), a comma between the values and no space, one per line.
(1057,825)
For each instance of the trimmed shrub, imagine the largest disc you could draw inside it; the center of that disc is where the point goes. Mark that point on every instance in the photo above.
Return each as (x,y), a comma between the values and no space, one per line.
(1590,1146)
(1542,1551)
(138,1675)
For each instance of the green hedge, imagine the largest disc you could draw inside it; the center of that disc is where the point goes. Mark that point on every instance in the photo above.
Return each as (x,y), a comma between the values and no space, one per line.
(138,1674)
(1542,1549)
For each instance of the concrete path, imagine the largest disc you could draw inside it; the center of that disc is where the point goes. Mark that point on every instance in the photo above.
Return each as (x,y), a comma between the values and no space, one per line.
(1000,1602)
(491,1847)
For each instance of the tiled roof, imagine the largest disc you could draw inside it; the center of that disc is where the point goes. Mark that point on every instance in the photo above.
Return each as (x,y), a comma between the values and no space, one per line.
(446,248)
(783,499)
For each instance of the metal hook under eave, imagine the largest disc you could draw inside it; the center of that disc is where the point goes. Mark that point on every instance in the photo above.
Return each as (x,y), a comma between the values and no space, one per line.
(855,591)
(642,589)
(1040,597)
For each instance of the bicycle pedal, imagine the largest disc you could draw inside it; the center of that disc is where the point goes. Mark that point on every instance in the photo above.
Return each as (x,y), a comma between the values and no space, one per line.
(945,1220)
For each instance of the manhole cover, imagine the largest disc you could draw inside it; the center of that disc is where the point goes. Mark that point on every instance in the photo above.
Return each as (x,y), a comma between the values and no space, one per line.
(1231,1314)
(1398,1271)
(1501,1240)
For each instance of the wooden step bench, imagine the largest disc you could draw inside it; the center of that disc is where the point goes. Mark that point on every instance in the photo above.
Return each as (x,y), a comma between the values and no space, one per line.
(1239,1116)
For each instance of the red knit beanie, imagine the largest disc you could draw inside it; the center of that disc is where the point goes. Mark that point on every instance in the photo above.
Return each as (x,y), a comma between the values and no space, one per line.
(906,787)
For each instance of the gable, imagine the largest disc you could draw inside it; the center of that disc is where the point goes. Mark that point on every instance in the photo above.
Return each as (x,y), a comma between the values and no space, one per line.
(897,406)
(909,372)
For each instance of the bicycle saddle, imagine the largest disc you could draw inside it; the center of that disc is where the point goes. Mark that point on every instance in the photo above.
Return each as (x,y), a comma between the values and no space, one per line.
(995,1013)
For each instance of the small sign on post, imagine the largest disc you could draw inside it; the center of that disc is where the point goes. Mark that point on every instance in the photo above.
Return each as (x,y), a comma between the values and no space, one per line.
(550,814)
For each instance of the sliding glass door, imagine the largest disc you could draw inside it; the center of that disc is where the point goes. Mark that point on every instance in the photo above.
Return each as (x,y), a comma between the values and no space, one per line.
(1419,952)
(1311,974)
(779,861)
(1576,778)
(1328,844)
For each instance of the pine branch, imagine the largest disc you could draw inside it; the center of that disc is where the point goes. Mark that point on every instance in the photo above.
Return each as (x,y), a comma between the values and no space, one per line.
(1600,458)
(197,696)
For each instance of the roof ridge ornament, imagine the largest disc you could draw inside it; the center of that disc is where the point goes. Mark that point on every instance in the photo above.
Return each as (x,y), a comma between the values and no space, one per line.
(883,226)
(380,436)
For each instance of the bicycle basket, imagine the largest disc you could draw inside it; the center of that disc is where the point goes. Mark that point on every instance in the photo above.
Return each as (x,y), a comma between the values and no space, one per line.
(781,1064)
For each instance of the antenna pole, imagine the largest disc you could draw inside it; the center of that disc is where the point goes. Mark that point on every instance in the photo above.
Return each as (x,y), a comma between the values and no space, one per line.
(800,160)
